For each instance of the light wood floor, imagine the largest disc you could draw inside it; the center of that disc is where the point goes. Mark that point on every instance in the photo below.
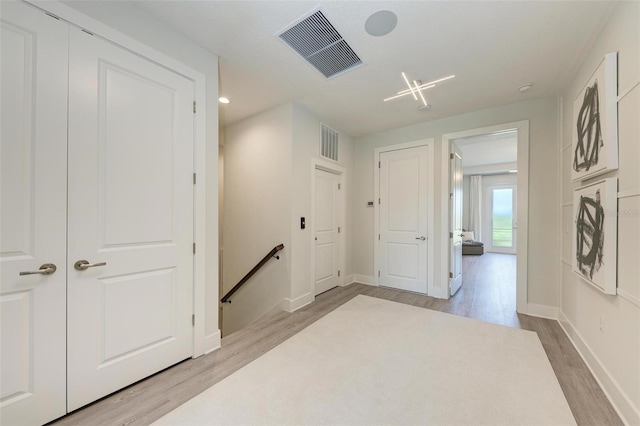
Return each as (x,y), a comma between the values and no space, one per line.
(487,294)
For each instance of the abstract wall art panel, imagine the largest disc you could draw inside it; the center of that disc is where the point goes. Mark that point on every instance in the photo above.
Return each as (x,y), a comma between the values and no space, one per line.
(595,122)
(595,218)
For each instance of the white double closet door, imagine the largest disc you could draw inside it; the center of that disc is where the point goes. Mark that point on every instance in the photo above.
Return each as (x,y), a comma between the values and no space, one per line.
(97,165)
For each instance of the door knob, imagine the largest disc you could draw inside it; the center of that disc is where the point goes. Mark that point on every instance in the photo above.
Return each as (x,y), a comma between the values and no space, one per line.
(82,265)
(45,269)
(420,238)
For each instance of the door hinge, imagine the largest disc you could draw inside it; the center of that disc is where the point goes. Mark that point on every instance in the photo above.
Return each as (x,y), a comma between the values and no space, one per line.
(450,234)
(194,248)
(193,320)
(450,274)
(378,273)
(451,156)
(338,272)
(451,195)
(338,229)
(338,186)
(194,178)
(378,164)
(194,107)
(378,237)
(378,200)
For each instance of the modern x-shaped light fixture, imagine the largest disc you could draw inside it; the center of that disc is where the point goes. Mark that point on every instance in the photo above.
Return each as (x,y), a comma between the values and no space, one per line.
(416,89)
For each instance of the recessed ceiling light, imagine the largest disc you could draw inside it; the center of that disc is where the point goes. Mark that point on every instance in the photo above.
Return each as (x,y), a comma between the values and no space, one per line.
(381,23)
(223,100)
(525,87)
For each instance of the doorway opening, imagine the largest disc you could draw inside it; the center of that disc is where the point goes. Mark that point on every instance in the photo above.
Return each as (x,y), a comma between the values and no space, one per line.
(500,215)
(494,212)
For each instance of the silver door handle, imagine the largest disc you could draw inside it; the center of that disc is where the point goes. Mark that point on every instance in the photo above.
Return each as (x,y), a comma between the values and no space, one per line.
(420,238)
(45,269)
(82,265)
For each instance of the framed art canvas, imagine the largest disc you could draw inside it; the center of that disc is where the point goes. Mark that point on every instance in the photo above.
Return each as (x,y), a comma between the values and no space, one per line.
(595,123)
(595,230)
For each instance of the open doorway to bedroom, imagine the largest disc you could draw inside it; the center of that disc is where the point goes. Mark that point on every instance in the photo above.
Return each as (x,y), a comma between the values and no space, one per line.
(493,257)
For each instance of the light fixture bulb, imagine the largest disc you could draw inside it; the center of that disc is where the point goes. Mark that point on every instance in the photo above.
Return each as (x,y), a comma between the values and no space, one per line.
(525,87)
(416,89)
(223,100)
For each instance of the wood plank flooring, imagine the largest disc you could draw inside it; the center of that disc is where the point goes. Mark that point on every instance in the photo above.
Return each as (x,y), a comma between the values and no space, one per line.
(487,294)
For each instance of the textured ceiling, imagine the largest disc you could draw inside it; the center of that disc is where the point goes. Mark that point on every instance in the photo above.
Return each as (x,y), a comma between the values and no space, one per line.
(491,47)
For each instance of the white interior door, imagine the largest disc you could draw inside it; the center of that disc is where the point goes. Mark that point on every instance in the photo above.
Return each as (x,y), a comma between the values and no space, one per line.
(403,219)
(33,158)
(455,191)
(130,215)
(326,228)
(501,219)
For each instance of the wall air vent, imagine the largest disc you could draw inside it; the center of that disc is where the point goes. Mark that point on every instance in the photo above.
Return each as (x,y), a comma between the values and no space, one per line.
(328,143)
(318,42)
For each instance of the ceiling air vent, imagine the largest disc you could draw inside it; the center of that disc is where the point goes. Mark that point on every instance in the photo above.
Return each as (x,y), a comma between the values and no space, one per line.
(317,41)
(328,143)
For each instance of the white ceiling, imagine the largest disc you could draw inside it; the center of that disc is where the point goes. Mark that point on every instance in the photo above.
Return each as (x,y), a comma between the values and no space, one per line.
(491,47)
(489,149)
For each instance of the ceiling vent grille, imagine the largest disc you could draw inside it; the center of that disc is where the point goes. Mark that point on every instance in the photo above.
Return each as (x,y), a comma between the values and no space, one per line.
(328,143)
(318,42)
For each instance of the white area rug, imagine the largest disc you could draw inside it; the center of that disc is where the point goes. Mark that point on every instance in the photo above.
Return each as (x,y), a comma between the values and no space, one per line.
(372,361)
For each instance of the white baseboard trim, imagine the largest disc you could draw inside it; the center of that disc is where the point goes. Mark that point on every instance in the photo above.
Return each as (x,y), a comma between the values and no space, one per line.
(440,292)
(542,311)
(349,279)
(364,279)
(291,305)
(623,405)
(212,342)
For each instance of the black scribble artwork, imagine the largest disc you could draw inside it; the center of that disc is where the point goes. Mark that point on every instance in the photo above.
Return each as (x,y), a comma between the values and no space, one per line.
(590,235)
(589,131)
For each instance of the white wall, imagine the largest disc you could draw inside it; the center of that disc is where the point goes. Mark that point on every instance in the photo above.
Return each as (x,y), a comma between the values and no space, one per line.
(134,23)
(306,145)
(220,293)
(612,353)
(268,169)
(543,277)
(257,213)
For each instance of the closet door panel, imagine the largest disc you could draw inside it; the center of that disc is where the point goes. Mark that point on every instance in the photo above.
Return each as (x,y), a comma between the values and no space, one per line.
(131,208)
(33,197)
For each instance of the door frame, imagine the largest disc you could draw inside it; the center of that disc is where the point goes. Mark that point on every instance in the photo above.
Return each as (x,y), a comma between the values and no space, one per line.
(202,343)
(452,230)
(522,128)
(329,167)
(429,143)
